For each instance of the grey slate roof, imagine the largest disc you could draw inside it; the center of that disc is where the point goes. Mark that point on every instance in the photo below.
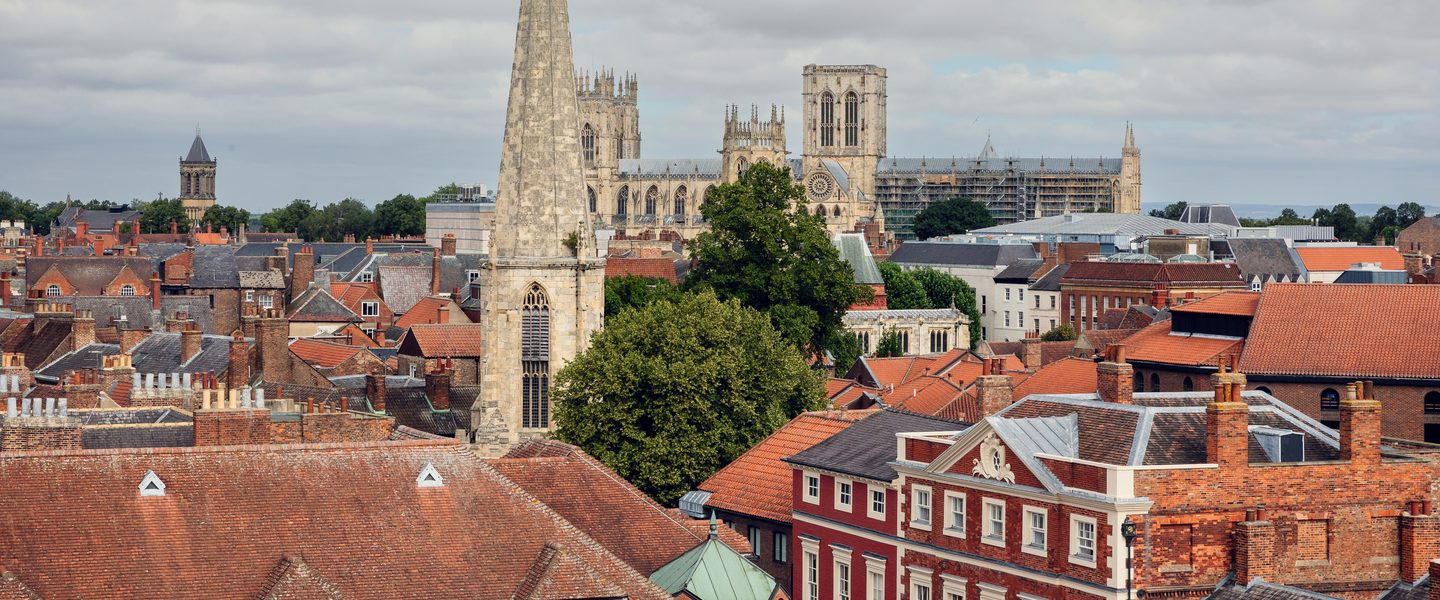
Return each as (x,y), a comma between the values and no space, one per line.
(1268,259)
(1020,271)
(960,254)
(316,304)
(151,436)
(99,220)
(403,286)
(272,280)
(197,153)
(842,179)
(1050,282)
(679,166)
(157,353)
(990,164)
(1132,225)
(1261,590)
(943,314)
(1420,590)
(855,251)
(215,268)
(867,448)
(1215,213)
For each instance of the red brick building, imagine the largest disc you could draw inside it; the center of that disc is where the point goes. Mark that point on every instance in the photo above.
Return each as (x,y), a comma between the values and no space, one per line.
(1091,288)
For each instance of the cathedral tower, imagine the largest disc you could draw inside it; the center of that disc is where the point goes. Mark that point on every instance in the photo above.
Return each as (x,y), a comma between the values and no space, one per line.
(197,180)
(751,141)
(543,288)
(609,130)
(1127,198)
(845,120)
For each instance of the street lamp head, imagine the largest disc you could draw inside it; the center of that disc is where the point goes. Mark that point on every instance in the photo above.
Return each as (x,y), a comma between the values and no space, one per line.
(1127,530)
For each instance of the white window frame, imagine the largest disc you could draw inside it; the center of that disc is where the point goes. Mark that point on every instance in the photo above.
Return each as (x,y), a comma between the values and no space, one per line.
(1075,557)
(370,308)
(52,291)
(249,295)
(875,493)
(809,569)
(127,290)
(806,478)
(472,276)
(844,494)
(365,277)
(841,557)
(921,578)
(1029,545)
(874,566)
(952,528)
(952,587)
(754,534)
(267,300)
(915,505)
(987,525)
(990,591)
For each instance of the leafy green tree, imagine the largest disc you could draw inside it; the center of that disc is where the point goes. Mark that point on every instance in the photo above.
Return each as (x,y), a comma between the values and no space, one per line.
(1061,333)
(288,218)
(669,393)
(902,290)
(226,216)
(348,217)
(889,345)
(765,250)
(632,291)
(943,290)
(13,208)
(953,216)
(1386,219)
(403,215)
(844,349)
(1172,211)
(157,215)
(1346,223)
(45,218)
(449,189)
(1408,213)
(1289,217)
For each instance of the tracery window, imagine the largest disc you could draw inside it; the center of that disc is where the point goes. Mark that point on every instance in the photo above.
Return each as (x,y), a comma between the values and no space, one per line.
(590,191)
(535,359)
(852,119)
(682,196)
(622,201)
(827,119)
(587,141)
(652,197)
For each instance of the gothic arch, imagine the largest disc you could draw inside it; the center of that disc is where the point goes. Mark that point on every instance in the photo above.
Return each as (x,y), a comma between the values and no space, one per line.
(827,119)
(682,197)
(820,210)
(852,119)
(652,197)
(535,359)
(590,192)
(837,210)
(587,141)
(622,201)
(744,165)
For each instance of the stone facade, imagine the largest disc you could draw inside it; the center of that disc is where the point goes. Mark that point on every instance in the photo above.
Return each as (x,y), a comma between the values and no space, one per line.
(931,331)
(542,290)
(197,180)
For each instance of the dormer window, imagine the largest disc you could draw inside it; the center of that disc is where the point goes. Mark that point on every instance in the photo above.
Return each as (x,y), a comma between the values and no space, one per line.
(429,477)
(52,291)
(150,485)
(370,309)
(127,290)
(366,277)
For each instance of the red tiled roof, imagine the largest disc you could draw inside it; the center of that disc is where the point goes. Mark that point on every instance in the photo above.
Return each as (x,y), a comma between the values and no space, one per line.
(230,515)
(423,312)
(1342,258)
(322,354)
(447,340)
(1100,339)
(1238,304)
(603,505)
(758,483)
(1148,273)
(350,294)
(355,336)
(1067,376)
(1349,330)
(1156,344)
(923,395)
(657,268)
(834,386)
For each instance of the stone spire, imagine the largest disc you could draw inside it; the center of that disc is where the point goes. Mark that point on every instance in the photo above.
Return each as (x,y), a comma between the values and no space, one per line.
(1129,136)
(541,196)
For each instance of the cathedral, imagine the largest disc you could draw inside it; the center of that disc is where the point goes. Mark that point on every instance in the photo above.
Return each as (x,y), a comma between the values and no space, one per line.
(848,177)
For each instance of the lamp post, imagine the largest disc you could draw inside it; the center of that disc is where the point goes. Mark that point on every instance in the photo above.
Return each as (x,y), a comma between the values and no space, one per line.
(1127,530)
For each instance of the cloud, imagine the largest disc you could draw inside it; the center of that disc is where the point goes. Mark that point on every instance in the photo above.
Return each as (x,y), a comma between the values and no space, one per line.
(1234,100)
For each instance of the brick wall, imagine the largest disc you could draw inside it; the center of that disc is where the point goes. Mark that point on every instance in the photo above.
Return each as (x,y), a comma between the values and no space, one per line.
(232,427)
(765,550)
(40,433)
(1402,416)
(318,428)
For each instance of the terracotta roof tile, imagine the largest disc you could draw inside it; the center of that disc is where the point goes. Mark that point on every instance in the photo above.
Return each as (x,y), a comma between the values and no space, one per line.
(445,340)
(1342,258)
(423,312)
(656,268)
(1351,330)
(322,354)
(758,483)
(924,395)
(1157,344)
(1239,304)
(1068,376)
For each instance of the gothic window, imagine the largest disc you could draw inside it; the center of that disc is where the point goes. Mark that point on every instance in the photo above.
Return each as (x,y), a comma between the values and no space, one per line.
(622,201)
(682,195)
(820,210)
(837,210)
(852,119)
(620,147)
(587,141)
(590,191)
(652,197)
(1154,382)
(827,119)
(744,166)
(535,359)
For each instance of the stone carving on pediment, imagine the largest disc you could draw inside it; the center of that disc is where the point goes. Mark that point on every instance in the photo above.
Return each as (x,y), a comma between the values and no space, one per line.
(991,464)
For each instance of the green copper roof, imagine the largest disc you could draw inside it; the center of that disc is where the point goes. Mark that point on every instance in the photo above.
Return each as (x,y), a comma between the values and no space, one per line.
(853,250)
(714,571)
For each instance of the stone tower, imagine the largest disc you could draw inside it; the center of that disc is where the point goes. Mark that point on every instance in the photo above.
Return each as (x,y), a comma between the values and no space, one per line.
(845,120)
(1127,197)
(752,141)
(197,180)
(609,127)
(543,288)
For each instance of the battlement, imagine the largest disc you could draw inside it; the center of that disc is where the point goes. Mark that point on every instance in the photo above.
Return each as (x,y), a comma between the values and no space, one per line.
(604,85)
(740,133)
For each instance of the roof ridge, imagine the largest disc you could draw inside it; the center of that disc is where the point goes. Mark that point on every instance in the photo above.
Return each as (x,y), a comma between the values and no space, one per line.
(254,449)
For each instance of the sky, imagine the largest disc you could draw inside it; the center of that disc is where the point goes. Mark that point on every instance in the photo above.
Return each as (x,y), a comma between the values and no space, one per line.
(1273,102)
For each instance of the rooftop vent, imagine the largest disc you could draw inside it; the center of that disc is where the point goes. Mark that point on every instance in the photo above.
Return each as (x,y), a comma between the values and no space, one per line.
(151,485)
(429,477)
(1280,445)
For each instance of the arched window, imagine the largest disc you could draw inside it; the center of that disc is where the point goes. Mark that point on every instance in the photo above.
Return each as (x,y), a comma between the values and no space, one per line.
(52,291)
(744,166)
(587,141)
(682,197)
(705,196)
(652,197)
(827,119)
(820,210)
(622,201)
(1139,382)
(1329,400)
(852,119)
(1154,382)
(127,290)
(620,147)
(590,191)
(1189,385)
(1432,403)
(837,210)
(535,360)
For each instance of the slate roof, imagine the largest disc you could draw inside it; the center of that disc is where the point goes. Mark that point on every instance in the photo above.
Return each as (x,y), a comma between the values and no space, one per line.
(215,267)
(223,502)
(602,504)
(1020,272)
(452,341)
(679,166)
(1128,273)
(958,254)
(403,286)
(1356,331)
(1343,257)
(269,280)
(867,448)
(157,353)
(316,304)
(927,314)
(99,220)
(1420,590)
(1050,282)
(1129,225)
(1268,259)
(758,482)
(1261,590)
(197,153)
(37,344)
(88,274)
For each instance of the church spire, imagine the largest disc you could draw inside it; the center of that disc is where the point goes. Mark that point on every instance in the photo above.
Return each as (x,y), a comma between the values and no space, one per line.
(541,193)
(1129,136)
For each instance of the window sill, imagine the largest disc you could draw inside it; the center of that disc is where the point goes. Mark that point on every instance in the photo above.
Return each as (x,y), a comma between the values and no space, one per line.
(812,500)
(954,532)
(993,540)
(842,508)
(1034,550)
(1082,561)
(925,525)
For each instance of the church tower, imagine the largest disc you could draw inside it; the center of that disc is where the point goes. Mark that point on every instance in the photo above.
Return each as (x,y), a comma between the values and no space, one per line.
(197,180)
(609,130)
(1127,197)
(752,141)
(542,290)
(845,120)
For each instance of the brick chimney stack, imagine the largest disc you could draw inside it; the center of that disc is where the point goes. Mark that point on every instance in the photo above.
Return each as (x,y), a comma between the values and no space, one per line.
(273,338)
(1031,351)
(239,373)
(1360,425)
(1419,540)
(447,245)
(154,291)
(1227,423)
(82,330)
(5,291)
(82,388)
(189,343)
(1160,296)
(130,338)
(993,389)
(369,246)
(1435,576)
(437,387)
(1115,377)
(303,272)
(435,274)
(1255,548)
(375,390)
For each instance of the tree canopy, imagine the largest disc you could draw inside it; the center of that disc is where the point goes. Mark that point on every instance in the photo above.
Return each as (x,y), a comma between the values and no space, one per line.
(670,392)
(1063,332)
(950,217)
(403,215)
(632,291)
(1172,211)
(226,216)
(889,345)
(928,288)
(157,215)
(765,250)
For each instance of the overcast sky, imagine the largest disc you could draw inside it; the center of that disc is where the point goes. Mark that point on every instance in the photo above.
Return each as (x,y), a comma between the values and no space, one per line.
(1240,101)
